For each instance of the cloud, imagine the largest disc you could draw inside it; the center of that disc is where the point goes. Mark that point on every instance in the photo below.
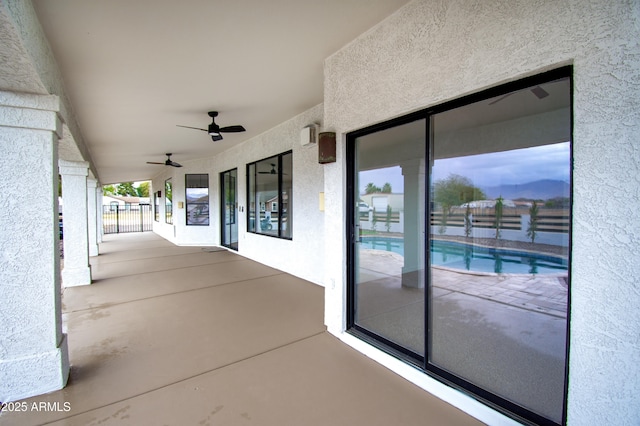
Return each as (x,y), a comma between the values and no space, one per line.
(499,168)
(509,167)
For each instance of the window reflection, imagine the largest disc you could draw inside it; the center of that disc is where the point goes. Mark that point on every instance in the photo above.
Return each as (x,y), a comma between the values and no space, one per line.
(168,203)
(389,214)
(489,209)
(500,188)
(197,197)
(270,194)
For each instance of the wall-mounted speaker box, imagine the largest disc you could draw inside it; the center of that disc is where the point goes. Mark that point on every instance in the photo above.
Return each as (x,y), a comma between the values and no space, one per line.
(327,147)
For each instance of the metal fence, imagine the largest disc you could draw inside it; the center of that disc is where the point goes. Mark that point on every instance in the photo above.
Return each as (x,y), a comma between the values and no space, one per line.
(127,218)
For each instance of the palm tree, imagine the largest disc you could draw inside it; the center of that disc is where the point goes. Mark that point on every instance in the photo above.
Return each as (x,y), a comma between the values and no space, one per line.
(371,188)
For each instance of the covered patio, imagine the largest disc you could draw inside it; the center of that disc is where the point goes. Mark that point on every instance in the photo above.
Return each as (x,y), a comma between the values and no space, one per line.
(201,335)
(163,329)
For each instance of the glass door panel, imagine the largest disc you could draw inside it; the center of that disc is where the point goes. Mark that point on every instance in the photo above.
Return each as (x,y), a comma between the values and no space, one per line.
(229,205)
(499,244)
(389,219)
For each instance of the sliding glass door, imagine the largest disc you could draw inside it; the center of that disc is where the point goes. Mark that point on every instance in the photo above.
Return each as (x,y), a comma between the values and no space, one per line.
(499,243)
(388,235)
(460,242)
(229,209)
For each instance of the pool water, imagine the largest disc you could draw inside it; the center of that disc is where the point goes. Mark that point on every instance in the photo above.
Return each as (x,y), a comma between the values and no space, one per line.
(476,258)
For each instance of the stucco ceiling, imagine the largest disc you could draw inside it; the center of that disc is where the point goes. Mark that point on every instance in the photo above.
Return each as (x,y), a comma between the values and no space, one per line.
(133,70)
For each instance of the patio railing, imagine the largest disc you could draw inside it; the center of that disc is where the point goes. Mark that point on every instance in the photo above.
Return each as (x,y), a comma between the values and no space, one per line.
(127,218)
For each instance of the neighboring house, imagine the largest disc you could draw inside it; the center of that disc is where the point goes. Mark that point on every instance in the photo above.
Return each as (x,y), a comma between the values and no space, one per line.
(379,201)
(489,204)
(123,203)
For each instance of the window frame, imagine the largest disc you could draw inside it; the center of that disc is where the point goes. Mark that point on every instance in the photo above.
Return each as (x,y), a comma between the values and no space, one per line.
(156,207)
(257,208)
(168,201)
(502,404)
(205,177)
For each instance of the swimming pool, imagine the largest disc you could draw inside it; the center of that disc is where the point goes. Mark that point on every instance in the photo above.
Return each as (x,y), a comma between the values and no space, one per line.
(470,257)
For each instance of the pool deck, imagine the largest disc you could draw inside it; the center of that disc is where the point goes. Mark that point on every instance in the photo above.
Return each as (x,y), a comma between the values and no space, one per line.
(540,293)
(545,294)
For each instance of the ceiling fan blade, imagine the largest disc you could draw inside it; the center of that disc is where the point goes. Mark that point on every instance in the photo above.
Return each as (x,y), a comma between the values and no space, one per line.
(500,98)
(216,137)
(189,127)
(232,129)
(540,92)
(167,162)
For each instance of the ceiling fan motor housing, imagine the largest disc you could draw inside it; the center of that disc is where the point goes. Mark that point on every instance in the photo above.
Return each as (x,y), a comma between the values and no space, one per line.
(214,129)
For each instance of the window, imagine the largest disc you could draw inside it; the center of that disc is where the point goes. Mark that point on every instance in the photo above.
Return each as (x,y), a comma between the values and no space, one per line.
(459,242)
(229,209)
(156,206)
(168,203)
(197,194)
(269,191)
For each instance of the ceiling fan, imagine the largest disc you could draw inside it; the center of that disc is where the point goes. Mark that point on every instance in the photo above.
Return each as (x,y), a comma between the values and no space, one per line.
(538,91)
(272,172)
(168,162)
(214,130)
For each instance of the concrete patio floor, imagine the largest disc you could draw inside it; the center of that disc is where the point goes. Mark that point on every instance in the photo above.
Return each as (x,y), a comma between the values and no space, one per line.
(171,335)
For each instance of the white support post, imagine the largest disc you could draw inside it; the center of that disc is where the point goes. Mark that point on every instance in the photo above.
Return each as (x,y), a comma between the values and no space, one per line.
(34,357)
(414,211)
(76,269)
(99,228)
(92,216)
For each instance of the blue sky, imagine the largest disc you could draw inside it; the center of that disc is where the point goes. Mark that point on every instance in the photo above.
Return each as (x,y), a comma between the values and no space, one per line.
(498,168)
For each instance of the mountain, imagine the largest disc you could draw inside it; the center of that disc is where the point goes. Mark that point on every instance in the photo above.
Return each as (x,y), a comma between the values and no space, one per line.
(538,190)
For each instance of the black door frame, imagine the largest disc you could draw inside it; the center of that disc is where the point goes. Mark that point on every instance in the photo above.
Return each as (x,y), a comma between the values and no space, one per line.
(224,228)
(502,404)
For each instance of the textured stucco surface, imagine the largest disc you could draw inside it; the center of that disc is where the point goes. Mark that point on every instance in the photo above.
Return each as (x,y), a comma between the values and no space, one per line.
(27,65)
(15,71)
(303,255)
(33,354)
(76,229)
(433,51)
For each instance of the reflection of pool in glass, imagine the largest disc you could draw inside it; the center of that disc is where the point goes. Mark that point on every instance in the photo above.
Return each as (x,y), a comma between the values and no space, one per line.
(470,257)
(395,245)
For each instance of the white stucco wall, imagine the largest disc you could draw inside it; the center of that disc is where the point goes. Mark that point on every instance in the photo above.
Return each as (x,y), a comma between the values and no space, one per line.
(37,71)
(303,255)
(34,357)
(436,50)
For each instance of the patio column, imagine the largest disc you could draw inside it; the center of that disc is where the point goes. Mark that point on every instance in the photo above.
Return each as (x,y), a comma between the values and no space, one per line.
(414,208)
(33,349)
(92,216)
(76,269)
(99,209)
